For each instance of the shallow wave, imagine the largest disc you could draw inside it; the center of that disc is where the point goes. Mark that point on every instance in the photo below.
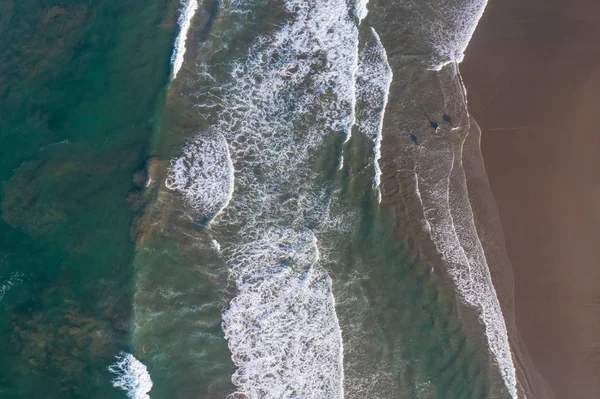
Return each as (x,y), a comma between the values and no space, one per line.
(450,221)
(477,287)
(131,375)
(452,28)
(440,185)
(185,20)
(373,80)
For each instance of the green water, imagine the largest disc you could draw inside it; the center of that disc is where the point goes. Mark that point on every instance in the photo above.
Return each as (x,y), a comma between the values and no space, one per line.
(80,89)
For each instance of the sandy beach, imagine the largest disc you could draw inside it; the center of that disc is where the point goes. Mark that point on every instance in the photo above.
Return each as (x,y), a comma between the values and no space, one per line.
(531,71)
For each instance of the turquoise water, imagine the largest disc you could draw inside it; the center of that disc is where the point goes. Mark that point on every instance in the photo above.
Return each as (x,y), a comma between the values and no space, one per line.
(225,228)
(80,86)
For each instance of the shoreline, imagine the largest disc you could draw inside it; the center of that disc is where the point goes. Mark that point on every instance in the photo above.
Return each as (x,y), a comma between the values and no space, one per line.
(426,187)
(433,196)
(533,82)
(491,235)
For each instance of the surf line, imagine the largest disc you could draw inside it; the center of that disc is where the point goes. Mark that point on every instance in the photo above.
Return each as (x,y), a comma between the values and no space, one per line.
(185,20)
(491,316)
(360,12)
(372,124)
(378,136)
(373,80)
(131,375)
(453,50)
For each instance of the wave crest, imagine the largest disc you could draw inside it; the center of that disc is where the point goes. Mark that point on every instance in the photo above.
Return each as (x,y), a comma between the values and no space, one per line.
(203,175)
(131,375)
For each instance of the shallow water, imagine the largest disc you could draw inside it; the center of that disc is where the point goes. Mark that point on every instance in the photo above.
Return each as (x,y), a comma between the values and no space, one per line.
(321,295)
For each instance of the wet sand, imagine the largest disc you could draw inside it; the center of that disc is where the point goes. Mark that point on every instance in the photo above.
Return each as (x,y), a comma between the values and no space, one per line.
(533,82)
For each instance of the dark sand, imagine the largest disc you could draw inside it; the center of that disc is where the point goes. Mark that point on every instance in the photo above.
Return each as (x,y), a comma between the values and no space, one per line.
(532,72)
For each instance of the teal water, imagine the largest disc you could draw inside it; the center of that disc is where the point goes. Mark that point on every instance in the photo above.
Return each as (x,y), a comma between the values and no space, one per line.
(80,89)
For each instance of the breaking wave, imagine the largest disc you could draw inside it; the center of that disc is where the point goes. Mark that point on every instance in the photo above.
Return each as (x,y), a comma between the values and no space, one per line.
(185,20)
(293,90)
(203,175)
(131,375)
(451,30)
(450,221)
(373,78)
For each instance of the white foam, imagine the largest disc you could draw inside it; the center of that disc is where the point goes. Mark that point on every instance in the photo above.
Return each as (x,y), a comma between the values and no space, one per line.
(203,174)
(131,375)
(452,29)
(451,221)
(360,9)
(353,91)
(374,78)
(185,20)
(282,327)
(295,87)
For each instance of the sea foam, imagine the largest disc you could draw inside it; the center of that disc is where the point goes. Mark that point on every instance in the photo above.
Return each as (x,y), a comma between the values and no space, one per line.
(203,174)
(131,375)
(293,89)
(185,20)
(282,326)
(452,28)
(360,9)
(450,221)
(374,77)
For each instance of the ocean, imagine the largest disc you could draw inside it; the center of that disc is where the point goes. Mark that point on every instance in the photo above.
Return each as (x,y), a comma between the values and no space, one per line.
(81,88)
(242,199)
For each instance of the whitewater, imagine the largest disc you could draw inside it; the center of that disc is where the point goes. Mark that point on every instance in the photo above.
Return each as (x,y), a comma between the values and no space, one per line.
(373,79)
(249,178)
(131,375)
(185,20)
(292,91)
(441,185)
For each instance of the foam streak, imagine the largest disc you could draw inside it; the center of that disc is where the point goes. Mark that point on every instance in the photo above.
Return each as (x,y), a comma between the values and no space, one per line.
(374,78)
(185,20)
